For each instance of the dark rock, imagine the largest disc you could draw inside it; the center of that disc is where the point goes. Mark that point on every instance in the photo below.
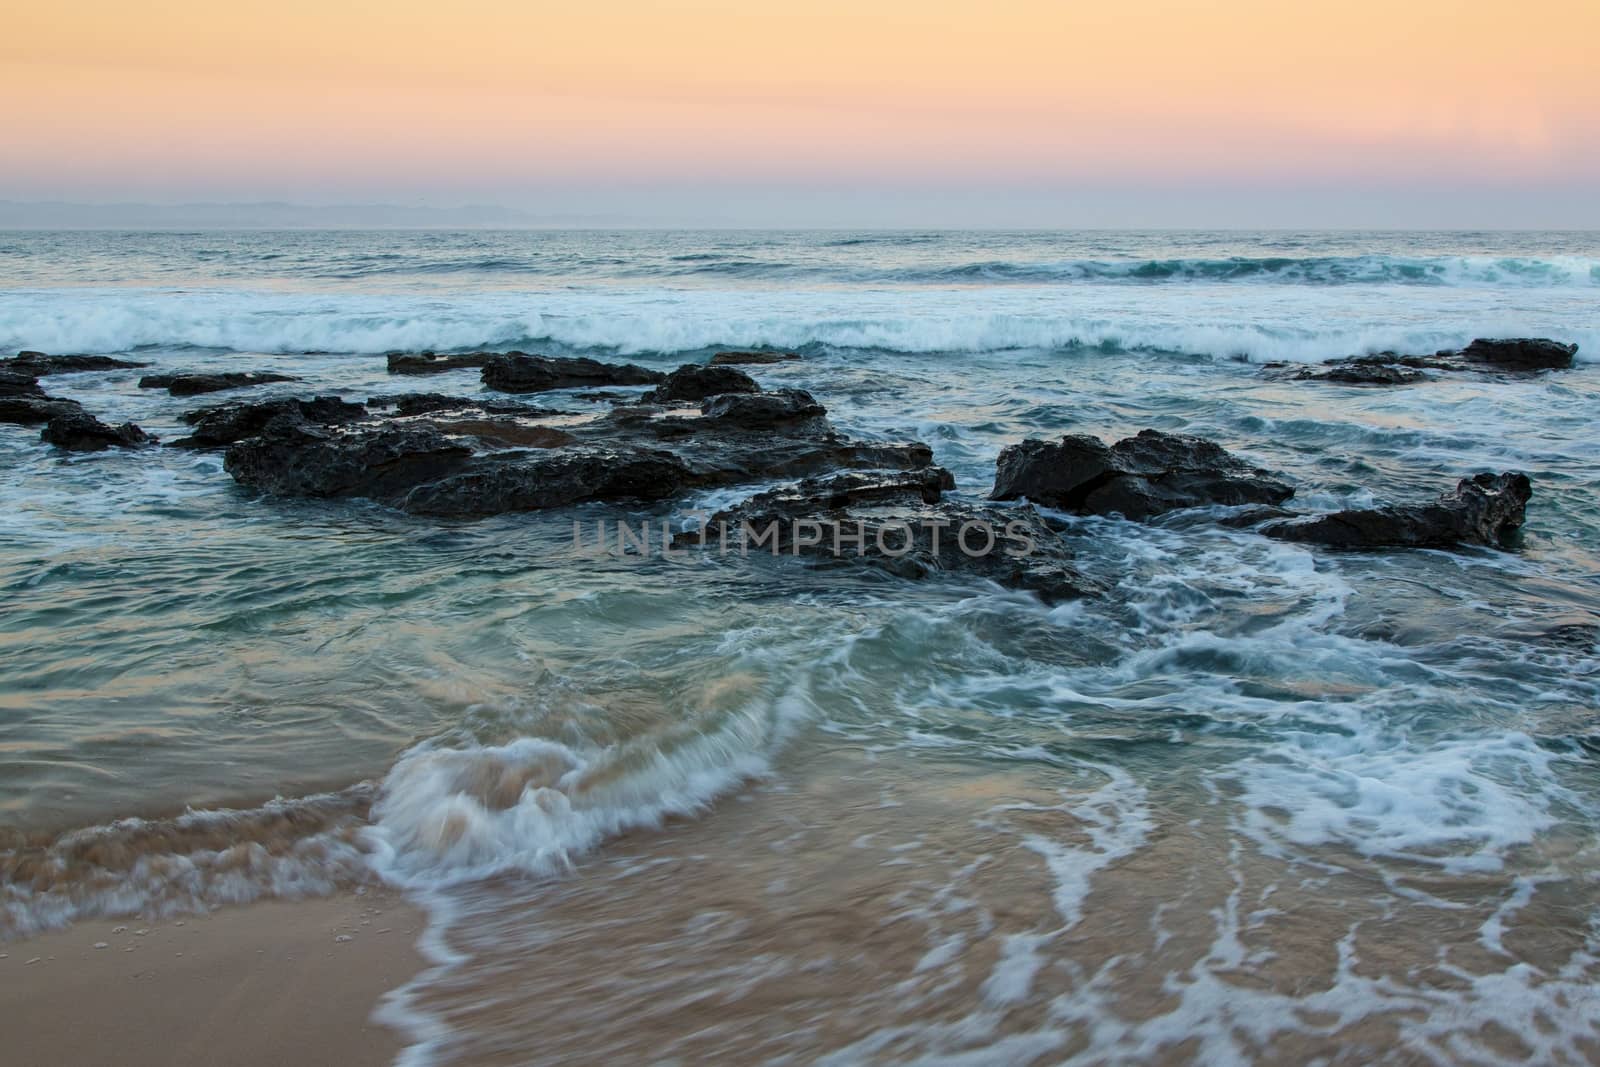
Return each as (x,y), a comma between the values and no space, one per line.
(692,382)
(195,384)
(429,363)
(518,373)
(32,410)
(899,522)
(1520,353)
(1362,372)
(1513,356)
(461,463)
(37,364)
(221,426)
(14,384)
(1486,509)
(1137,477)
(292,457)
(723,359)
(760,410)
(425,403)
(79,431)
(552,479)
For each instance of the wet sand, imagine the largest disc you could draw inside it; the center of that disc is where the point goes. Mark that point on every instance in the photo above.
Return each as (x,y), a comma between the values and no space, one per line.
(267,983)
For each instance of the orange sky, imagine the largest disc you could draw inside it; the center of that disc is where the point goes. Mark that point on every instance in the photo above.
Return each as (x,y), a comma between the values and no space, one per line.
(463,99)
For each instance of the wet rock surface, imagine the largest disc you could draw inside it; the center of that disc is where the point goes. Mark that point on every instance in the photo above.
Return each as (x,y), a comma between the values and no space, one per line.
(33,410)
(79,431)
(724,359)
(461,459)
(901,522)
(521,373)
(432,363)
(196,384)
(13,383)
(1518,355)
(1138,477)
(1486,509)
(218,427)
(38,365)
(693,382)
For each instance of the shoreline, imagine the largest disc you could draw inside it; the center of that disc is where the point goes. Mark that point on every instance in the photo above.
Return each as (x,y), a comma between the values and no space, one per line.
(269,982)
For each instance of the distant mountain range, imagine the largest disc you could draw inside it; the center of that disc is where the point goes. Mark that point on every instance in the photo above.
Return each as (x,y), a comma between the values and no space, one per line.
(59,215)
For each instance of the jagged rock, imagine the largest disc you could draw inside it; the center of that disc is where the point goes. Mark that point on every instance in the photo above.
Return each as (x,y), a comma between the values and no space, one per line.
(79,431)
(760,410)
(692,382)
(1513,355)
(430,363)
(899,522)
(14,384)
(722,359)
(1520,353)
(220,426)
(519,373)
(1137,477)
(195,384)
(458,464)
(32,410)
(292,457)
(1362,372)
(1486,509)
(38,365)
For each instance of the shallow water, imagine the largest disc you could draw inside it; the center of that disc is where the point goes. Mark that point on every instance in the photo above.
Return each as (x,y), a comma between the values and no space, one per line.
(1263,802)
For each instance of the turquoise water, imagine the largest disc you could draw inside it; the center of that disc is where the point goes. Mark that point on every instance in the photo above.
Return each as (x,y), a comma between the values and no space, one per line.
(1392,752)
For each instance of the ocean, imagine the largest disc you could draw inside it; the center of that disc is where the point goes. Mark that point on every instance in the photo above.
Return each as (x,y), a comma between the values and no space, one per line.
(1261,802)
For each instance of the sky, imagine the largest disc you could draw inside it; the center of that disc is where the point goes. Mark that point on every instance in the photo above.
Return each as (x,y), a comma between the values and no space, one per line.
(933,112)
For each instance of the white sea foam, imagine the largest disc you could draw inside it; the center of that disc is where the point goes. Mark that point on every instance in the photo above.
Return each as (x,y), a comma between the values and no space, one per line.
(1244,321)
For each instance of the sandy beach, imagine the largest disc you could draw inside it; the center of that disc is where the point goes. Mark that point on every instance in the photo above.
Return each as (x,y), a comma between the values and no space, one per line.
(270,983)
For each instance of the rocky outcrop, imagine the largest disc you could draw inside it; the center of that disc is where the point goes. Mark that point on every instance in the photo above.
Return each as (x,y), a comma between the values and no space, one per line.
(694,383)
(519,373)
(1486,509)
(1138,477)
(24,403)
(79,431)
(430,363)
(195,384)
(763,410)
(1518,354)
(33,410)
(1521,355)
(898,521)
(466,463)
(38,365)
(724,359)
(221,426)
(15,384)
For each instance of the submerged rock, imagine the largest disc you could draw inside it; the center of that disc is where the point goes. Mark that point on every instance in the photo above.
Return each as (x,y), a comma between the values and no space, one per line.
(1362,372)
(1137,477)
(520,373)
(1486,509)
(220,426)
(898,521)
(423,403)
(195,384)
(430,363)
(37,364)
(79,431)
(722,359)
(692,382)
